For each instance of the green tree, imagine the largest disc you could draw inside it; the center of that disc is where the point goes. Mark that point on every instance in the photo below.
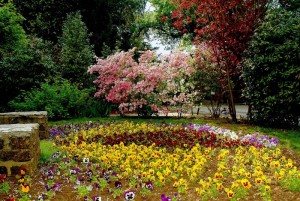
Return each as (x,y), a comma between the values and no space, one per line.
(290,4)
(44,18)
(25,69)
(76,52)
(271,70)
(109,21)
(25,61)
(12,35)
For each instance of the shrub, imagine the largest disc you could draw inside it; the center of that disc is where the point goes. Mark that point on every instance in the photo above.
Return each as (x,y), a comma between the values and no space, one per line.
(60,99)
(146,84)
(271,70)
(26,68)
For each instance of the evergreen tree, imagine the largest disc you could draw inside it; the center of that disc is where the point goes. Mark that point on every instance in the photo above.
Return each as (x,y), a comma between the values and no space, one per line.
(76,52)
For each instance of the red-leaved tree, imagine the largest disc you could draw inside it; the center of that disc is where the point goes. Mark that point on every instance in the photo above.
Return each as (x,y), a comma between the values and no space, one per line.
(225,25)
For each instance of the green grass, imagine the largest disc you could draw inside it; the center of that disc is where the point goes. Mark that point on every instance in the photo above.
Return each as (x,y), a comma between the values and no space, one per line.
(288,138)
(46,150)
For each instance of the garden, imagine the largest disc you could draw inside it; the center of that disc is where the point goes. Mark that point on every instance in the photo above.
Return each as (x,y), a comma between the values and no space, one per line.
(134,159)
(111,96)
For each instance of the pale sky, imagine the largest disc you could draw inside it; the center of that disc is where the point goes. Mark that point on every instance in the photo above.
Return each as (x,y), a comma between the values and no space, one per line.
(154,41)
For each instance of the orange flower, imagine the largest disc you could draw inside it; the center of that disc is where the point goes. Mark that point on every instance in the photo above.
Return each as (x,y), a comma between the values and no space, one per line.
(144,174)
(276,164)
(218,176)
(151,172)
(25,188)
(289,165)
(162,179)
(219,187)
(267,188)
(21,180)
(230,194)
(175,169)
(258,180)
(246,183)
(22,172)
(258,168)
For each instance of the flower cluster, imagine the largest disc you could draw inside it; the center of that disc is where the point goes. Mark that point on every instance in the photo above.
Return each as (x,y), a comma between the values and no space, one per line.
(163,135)
(138,161)
(151,81)
(142,167)
(260,140)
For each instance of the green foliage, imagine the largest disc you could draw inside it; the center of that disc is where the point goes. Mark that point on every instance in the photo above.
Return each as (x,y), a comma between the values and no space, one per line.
(117,193)
(24,197)
(82,190)
(109,21)
(207,80)
(26,68)
(291,183)
(44,18)
(4,187)
(12,35)
(151,23)
(290,4)
(47,150)
(103,184)
(272,72)
(60,99)
(76,52)
(158,21)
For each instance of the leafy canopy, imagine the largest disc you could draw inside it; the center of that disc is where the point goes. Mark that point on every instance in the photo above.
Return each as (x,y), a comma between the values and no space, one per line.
(12,35)
(76,52)
(271,70)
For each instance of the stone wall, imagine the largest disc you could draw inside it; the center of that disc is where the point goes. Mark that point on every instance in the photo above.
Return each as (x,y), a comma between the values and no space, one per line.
(40,117)
(19,146)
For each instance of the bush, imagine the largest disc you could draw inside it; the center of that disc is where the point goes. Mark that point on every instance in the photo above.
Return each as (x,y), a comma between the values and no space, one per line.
(26,69)
(271,70)
(60,99)
(146,84)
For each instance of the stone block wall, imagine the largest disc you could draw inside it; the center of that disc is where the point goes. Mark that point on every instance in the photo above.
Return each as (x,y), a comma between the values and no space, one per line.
(19,146)
(40,117)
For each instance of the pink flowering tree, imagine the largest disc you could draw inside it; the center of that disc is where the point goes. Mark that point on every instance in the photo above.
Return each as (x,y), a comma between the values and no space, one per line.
(147,84)
(179,88)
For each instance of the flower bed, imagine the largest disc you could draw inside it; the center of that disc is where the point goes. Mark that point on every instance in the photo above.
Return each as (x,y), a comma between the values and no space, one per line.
(128,161)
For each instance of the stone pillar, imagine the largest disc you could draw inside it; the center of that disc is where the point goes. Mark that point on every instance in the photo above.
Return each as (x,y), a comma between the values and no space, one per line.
(40,117)
(19,146)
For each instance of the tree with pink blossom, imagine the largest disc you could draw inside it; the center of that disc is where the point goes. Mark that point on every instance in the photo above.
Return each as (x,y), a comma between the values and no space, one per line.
(147,84)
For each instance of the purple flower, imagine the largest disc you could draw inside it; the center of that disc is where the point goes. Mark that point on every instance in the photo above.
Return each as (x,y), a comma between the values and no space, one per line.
(165,198)
(96,198)
(41,197)
(260,140)
(74,171)
(149,185)
(129,195)
(56,187)
(96,185)
(118,184)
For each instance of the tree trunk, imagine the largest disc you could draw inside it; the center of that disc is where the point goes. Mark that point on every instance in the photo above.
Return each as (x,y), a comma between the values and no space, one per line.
(231,104)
